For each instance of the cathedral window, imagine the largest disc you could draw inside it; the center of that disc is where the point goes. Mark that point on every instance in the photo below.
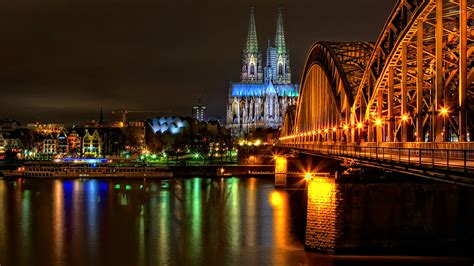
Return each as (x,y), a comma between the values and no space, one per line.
(280,69)
(252,69)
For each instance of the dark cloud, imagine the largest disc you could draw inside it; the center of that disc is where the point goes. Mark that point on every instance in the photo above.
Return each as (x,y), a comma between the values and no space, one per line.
(63,60)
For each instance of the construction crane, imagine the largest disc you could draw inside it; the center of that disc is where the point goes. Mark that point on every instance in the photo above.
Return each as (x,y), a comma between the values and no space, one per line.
(124,112)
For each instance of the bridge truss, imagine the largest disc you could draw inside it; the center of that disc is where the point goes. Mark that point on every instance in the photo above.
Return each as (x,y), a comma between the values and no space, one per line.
(414,85)
(413,88)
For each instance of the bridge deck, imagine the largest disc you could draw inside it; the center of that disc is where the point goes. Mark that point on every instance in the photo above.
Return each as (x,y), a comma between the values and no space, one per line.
(446,164)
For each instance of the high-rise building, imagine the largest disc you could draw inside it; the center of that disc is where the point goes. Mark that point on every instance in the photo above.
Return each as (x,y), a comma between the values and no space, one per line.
(261,97)
(199,111)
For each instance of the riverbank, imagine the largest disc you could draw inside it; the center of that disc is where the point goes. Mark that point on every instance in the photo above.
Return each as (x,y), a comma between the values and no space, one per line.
(206,170)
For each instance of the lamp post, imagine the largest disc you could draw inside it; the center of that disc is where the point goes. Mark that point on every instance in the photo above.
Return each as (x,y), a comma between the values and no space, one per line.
(444,112)
(378,123)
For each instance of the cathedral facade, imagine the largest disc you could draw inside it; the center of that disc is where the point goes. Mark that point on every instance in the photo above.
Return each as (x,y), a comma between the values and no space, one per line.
(264,92)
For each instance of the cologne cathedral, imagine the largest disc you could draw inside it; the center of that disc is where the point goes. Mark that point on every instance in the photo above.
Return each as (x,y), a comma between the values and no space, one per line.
(264,92)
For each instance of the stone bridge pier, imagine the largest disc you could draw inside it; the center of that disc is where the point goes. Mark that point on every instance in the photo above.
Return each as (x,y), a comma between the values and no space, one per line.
(346,217)
(281,171)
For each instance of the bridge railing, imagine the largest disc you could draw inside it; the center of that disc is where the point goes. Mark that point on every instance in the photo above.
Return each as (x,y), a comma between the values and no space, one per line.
(447,158)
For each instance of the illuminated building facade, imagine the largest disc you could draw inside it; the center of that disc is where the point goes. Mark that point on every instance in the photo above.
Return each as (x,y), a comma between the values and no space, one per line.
(91,144)
(74,143)
(62,143)
(2,146)
(261,97)
(50,144)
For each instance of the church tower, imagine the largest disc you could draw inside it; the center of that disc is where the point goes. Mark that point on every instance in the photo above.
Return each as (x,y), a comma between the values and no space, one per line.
(252,58)
(282,71)
(264,92)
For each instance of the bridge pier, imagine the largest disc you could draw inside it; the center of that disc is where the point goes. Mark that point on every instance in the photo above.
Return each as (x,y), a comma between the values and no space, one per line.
(350,217)
(324,210)
(281,171)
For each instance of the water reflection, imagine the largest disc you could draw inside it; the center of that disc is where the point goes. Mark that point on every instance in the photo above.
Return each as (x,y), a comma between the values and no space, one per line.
(58,222)
(25,221)
(153,222)
(3,220)
(134,222)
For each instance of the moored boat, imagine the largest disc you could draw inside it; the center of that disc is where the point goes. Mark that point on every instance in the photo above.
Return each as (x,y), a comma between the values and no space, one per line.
(88,168)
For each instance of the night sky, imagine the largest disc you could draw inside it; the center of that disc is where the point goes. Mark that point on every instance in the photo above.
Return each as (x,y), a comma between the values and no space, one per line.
(61,60)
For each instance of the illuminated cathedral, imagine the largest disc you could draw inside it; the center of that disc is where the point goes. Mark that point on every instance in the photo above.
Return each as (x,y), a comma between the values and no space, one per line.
(264,92)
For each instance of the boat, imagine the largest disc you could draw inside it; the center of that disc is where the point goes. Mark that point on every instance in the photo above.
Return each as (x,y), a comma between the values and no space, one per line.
(88,168)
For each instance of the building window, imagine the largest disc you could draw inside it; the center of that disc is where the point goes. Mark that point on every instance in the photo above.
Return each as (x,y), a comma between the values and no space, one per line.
(252,69)
(280,69)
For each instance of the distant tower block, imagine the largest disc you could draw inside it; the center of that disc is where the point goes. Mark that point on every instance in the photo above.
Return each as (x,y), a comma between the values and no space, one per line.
(281,166)
(199,111)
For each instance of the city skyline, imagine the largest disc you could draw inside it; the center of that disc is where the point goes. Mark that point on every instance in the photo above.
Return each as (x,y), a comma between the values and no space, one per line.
(137,58)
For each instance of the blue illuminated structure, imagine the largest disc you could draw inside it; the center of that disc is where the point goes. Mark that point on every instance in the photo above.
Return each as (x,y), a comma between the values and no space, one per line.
(252,90)
(171,124)
(83,160)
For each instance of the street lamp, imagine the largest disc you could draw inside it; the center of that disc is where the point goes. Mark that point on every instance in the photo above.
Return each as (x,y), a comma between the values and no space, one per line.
(404,117)
(444,112)
(378,123)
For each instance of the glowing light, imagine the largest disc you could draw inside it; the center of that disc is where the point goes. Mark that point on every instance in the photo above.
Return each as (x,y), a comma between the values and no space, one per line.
(334,129)
(83,160)
(276,199)
(307,176)
(314,132)
(378,122)
(404,117)
(444,111)
(360,125)
(345,127)
(257,142)
(319,131)
(326,130)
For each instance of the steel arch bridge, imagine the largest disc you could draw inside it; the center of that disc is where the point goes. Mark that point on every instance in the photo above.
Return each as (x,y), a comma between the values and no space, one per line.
(411,94)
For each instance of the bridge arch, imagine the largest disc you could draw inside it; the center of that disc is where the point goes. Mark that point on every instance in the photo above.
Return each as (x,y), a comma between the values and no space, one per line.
(328,81)
(416,84)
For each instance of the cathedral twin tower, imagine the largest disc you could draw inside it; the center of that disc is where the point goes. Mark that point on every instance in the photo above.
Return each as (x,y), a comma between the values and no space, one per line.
(277,68)
(261,97)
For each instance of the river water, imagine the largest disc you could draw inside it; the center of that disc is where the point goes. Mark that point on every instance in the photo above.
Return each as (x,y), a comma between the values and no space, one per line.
(192,221)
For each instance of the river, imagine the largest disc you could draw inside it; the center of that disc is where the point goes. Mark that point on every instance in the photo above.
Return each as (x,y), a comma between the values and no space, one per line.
(189,221)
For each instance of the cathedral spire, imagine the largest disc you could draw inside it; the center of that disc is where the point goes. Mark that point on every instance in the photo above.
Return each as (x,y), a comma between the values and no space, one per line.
(280,44)
(252,44)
